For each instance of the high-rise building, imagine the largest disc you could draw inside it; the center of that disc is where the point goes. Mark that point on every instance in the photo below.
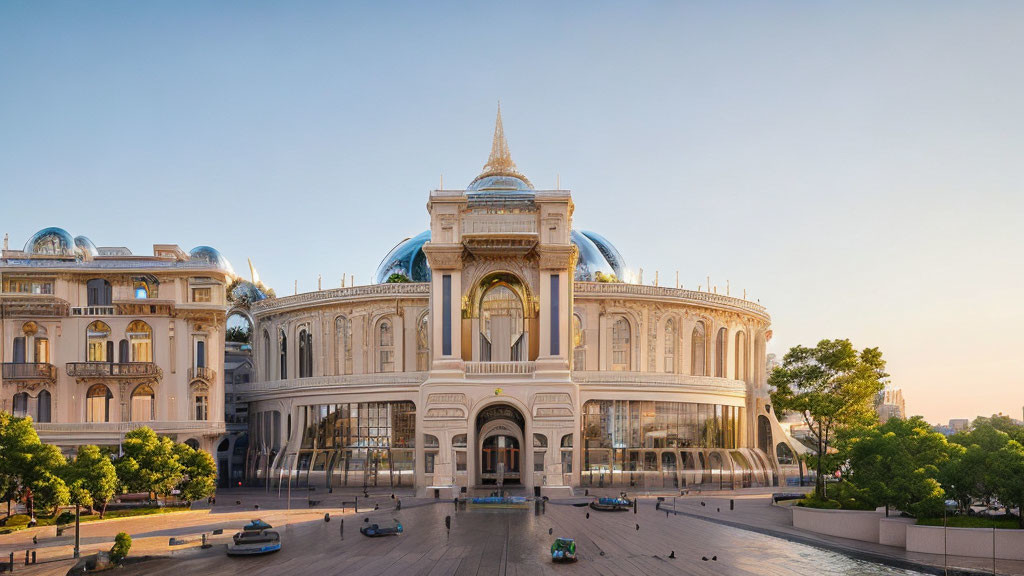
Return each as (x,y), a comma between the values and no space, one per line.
(890,404)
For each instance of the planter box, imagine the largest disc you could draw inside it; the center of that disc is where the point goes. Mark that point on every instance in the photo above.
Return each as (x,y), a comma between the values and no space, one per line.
(853,524)
(972,542)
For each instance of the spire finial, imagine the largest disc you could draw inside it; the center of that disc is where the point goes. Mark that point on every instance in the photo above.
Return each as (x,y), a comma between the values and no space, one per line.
(500,161)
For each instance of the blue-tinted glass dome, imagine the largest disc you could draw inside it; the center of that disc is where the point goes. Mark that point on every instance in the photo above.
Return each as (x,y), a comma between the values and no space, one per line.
(407,258)
(211,256)
(51,242)
(500,183)
(248,291)
(86,246)
(597,254)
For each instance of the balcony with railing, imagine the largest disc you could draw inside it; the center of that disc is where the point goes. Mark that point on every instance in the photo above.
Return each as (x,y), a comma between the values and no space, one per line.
(112,369)
(93,311)
(29,371)
(500,368)
(202,373)
(33,306)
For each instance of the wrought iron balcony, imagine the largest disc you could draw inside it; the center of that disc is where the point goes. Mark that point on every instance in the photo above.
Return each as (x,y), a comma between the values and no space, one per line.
(112,369)
(202,373)
(29,371)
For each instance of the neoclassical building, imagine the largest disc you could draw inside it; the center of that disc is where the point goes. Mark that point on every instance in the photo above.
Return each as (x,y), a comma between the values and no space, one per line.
(500,346)
(98,341)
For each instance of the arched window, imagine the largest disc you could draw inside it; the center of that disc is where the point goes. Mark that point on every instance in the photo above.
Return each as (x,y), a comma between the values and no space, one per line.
(143,406)
(720,353)
(283,340)
(698,350)
(98,292)
(98,346)
(140,335)
(200,401)
(305,353)
(141,290)
(670,346)
(502,327)
(431,447)
(385,347)
(422,343)
(44,406)
(97,403)
(566,447)
(342,345)
(21,405)
(579,350)
(741,355)
(620,344)
(268,354)
(785,454)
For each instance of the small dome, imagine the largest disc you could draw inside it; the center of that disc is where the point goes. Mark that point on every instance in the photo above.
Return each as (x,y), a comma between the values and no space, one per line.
(407,258)
(51,242)
(248,292)
(597,254)
(86,246)
(211,256)
(502,183)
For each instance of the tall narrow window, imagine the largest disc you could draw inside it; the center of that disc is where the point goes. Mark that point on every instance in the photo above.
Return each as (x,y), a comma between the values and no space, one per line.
(122,351)
(44,406)
(19,349)
(422,344)
(698,350)
(305,353)
(720,341)
(143,406)
(670,346)
(96,336)
(342,345)
(98,292)
(200,402)
(620,344)
(42,350)
(579,350)
(97,404)
(385,347)
(140,336)
(268,354)
(741,355)
(20,405)
(200,354)
(446,315)
(556,329)
(283,340)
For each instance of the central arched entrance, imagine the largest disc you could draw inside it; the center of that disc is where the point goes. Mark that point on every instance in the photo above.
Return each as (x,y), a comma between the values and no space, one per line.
(499,432)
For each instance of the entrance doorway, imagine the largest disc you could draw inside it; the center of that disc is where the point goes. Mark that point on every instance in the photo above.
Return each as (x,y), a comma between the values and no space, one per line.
(500,440)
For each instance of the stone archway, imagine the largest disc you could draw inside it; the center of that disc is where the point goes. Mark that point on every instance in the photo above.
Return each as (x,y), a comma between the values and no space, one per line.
(500,444)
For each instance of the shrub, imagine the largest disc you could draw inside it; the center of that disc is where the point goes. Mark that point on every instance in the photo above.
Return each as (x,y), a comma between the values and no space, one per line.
(811,502)
(65,518)
(398,278)
(122,544)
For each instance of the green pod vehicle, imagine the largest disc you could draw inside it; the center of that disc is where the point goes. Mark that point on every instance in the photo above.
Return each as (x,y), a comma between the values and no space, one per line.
(563,550)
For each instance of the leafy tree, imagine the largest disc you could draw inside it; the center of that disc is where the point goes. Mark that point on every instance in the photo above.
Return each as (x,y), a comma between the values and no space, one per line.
(398,278)
(238,334)
(1008,477)
(18,441)
(895,464)
(149,463)
(122,545)
(93,472)
(200,473)
(606,278)
(832,386)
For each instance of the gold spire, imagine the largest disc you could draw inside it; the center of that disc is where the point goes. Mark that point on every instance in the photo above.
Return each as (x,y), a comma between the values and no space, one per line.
(500,162)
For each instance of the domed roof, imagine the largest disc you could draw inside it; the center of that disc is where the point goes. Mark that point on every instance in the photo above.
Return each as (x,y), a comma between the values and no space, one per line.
(597,254)
(86,246)
(248,292)
(407,259)
(211,256)
(51,242)
(500,173)
(503,183)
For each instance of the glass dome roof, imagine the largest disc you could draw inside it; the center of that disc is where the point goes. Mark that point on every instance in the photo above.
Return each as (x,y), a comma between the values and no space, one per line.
(502,183)
(51,242)
(597,254)
(248,291)
(86,246)
(211,256)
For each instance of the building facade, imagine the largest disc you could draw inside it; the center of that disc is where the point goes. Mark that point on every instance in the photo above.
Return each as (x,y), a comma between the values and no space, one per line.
(98,341)
(501,347)
(890,404)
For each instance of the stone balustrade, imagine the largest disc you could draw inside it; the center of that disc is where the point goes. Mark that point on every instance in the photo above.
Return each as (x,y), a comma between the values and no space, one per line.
(599,289)
(500,368)
(407,289)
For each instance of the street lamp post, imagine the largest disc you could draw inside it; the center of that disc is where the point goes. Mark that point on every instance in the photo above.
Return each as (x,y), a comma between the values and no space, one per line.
(78,531)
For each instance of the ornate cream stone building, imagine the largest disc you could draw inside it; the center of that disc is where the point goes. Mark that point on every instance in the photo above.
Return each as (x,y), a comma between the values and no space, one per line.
(501,359)
(98,341)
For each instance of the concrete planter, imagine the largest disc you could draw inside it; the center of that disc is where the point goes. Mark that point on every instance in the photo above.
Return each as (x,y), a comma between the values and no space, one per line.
(853,524)
(973,542)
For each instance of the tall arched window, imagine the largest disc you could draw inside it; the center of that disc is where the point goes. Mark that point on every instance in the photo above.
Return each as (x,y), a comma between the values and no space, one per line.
(44,406)
(143,406)
(283,353)
(98,292)
(741,355)
(200,393)
(20,405)
(268,354)
(422,343)
(698,346)
(621,344)
(140,336)
(97,403)
(579,349)
(502,326)
(305,353)
(98,346)
(385,347)
(342,345)
(720,341)
(670,346)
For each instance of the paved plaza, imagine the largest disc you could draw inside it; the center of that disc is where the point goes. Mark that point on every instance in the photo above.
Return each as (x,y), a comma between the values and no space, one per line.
(493,542)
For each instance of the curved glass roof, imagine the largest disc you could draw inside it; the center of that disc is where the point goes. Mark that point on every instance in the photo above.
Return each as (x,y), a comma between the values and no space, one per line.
(211,256)
(51,242)
(85,245)
(248,291)
(407,258)
(503,183)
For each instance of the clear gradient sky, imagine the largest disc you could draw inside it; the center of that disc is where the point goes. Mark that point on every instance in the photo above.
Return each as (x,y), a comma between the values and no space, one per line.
(857,167)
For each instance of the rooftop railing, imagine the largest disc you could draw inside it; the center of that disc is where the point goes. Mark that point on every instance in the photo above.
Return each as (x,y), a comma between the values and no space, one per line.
(500,368)
(623,289)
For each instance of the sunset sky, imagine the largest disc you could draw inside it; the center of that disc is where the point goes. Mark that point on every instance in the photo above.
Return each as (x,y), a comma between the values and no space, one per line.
(857,168)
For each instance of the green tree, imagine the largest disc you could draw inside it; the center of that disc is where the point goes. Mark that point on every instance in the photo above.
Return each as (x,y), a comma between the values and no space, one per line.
(149,463)
(18,442)
(895,464)
(240,334)
(93,472)
(200,473)
(398,278)
(122,545)
(832,386)
(1008,477)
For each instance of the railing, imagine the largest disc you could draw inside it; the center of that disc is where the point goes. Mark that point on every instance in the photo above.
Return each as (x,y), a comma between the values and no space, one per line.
(92,311)
(623,289)
(33,306)
(499,224)
(658,379)
(202,373)
(112,369)
(163,427)
(500,368)
(29,371)
(416,289)
(320,382)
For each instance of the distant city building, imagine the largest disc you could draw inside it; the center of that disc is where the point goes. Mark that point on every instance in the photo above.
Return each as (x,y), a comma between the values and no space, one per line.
(943,429)
(959,424)
(890,404)
(231,450)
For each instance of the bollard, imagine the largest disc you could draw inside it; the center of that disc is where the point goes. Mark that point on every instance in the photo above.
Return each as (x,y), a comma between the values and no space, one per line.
(732,504)
(204,544)
(10,566)
(341,528)
(33,556)
(327,517)
(26,557)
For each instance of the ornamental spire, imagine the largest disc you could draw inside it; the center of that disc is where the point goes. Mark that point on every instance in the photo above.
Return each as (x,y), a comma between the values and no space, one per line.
(500,161)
